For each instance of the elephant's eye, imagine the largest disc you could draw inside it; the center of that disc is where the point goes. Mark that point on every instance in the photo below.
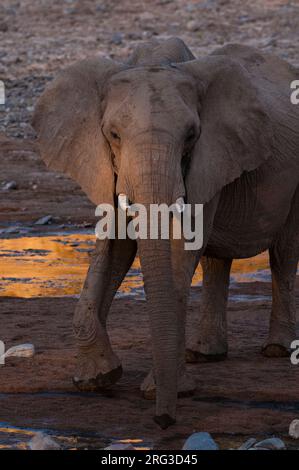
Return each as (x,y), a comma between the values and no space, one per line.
(115,135)
(190,136)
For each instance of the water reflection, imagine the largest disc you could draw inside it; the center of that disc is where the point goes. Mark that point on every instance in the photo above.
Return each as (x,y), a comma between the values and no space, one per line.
(12,437)
(56,266)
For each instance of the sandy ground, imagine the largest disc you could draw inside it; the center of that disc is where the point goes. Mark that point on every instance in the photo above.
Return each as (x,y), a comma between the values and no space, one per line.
(245,395)
(39,192)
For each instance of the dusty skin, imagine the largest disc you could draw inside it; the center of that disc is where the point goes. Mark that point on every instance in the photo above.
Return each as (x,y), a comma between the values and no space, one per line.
(222,418)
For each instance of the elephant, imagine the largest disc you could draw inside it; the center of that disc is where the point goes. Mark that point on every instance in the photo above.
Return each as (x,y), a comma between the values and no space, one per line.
(219,130)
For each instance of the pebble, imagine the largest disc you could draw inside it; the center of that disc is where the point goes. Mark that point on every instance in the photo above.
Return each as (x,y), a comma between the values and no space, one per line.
(294,429)
(117,39)
(101,8)
(193,26)
(44,220)
(200,441)
(274,443)
(10,185)
(247,444)
(43,442)
(134,36)
(21,350)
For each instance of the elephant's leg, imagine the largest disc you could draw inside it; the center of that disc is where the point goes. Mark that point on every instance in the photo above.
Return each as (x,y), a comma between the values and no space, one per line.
(283,314)
(284,255)
(209,340)
(184,263)
(97,365)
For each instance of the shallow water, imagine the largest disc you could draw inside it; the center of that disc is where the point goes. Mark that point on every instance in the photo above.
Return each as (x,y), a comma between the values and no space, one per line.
(12,437)
(55,266)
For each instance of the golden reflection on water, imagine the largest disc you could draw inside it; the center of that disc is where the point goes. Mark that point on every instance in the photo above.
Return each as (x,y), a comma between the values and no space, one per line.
(12,437)
(55,266)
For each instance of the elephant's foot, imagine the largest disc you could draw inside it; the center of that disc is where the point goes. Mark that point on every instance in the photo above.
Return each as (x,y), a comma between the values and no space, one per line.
(186,387)
(193,357)
(96,373)
(164,421)
(279,345)
(203,351)
(275,350)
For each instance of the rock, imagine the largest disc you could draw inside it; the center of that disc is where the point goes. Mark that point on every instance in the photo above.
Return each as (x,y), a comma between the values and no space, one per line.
(200,441)
(247,444)
(117,39)
(294,429)
(134,36)
(70,11)
(120,446)
(274,443)
(193,26)
(11,230)
(101,8)
(43,442)
(44,220)
(257,448)
(147,35)
(3,27)
(22,350)
(10,185)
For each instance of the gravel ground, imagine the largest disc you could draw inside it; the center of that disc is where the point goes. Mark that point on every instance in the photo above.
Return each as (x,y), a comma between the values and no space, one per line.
(38,38)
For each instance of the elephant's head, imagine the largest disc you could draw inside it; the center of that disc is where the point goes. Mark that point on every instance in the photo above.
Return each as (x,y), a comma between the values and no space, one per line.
(155,134)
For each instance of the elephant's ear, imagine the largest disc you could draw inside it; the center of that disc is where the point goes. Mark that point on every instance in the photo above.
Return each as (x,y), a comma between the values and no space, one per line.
(236,132)
(67,120)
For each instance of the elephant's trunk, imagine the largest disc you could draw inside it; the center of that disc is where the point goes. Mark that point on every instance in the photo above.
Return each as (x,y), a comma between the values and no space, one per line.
(155,177)
(155,257)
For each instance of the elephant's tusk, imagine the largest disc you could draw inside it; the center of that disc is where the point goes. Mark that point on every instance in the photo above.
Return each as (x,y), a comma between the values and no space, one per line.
(123,202)
(180,205)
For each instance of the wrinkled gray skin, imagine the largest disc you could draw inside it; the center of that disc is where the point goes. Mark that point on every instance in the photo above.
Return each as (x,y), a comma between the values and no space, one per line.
(219,130)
